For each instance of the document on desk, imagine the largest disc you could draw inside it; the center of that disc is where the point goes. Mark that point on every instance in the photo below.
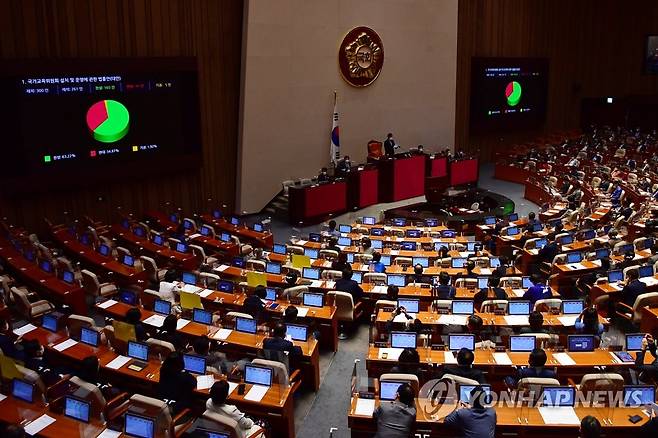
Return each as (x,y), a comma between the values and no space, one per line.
(533,251)
(502,359)
(379,289)
(222,334)
(191,289)
(231,387)
(516,320)
(649,281)
(256,393)
(66,344)
(394,252)
(615,286)
(118,362)
(25,329)
(204,293)
(330,284)
(326,264)
(302,311)
(221,268)
(182,323)
(37,425)
(485,271)
(107,303)
(568,320)
(204,382)
(518,292)
(155,320)
(301,242)
(109,433)
(2,397)
(559,415)
(564,359)
(449,358)
(194,236)
(452,319)
(390,353)
(365,407)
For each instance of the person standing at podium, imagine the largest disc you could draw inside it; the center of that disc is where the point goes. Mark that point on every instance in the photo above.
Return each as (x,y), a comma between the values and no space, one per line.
(344,166)
(389,145)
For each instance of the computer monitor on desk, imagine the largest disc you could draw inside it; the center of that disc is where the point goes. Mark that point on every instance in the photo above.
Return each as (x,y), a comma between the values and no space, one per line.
(257,375)
(395,280)
(410,305)
(559,396)
(139,426)
(457,342)
(77,409)
(388,389)
(403,340)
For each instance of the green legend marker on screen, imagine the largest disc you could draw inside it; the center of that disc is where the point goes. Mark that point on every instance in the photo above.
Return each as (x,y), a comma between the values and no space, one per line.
(46,158)
(108,120)
(513,93)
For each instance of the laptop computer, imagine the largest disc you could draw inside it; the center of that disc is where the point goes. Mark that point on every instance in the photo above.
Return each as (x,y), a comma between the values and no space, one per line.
(194,364)
(395,280)
(634,341)
(578,343)
(343,228)
(246,325)
(411,305)
(422,261)
(388,389)
(140,353)
(297,332)
(522,343)
(403,340)
(465,393)
(368,220)
(49,322)
(270,294)
(68,277)
(23,390)
(572,307)
(202,316)
(89,336)
(458,262)
(311,273)
(559,396)
(311,253)
(273,268)
(77,409)
(515,307)
(279,248)
(139,426)
(312,299)
(256,375)
(162,307)
(639,395)
(457,342)
(462,307)
(189,278)
(615,276)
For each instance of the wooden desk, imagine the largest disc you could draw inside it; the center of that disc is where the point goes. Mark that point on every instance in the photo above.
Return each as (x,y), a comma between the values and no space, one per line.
(214,245)
(163,255)
(45,284)
(510,421)
(649,323)
(260,239)
(237,342)
(112,269)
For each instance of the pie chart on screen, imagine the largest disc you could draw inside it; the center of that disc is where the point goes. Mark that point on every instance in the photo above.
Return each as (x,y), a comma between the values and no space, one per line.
(108,120)
(513,93)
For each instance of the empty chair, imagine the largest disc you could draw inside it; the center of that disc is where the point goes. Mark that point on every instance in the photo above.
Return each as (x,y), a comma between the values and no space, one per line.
(459,380)
(26,308)
(403,261)
(549,304)
(493,306)
(75,323)
(280,373)
(442,306)
(513,282)
(363,258)
(382,304)
(375,278)
(294,249)
(533,386)
(91,393)
(328,254)
(209,279)
(346,311)
(66,265)
(165,425)
(245,249)
(634,314)
(295,291)
(233,315)
(330,274)
(224,422)
(95,288)
(256,265)
(160,349)
(469,283)
(155,275)
(200,253)
(190,223)
(601,382)
(148,297)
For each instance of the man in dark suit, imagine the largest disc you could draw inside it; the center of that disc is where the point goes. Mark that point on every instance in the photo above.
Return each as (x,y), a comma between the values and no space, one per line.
(278,341)
(465,368)
(389,145)
(633,288)
(253,304)
(346,284)
(344,165)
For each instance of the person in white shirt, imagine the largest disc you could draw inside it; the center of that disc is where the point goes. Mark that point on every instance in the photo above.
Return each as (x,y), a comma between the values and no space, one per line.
(169,287)
(217,404)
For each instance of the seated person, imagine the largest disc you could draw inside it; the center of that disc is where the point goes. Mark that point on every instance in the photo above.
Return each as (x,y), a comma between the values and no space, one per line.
(532,220)
(588,322)
(217,404)
(168,333)
(418,276)
(290,317)
(650,371)
(549,251)
(376,265)
(168,288)
(214,359)
(538,291)
(493,292)
(176,386)
(332,245)
(366,246)
(473,420)
(633,288)
(400,316)
(392,292)
(346,284)
(464,367)
(340,264)
(278,341)
(253,304)
(323,176)
(590,427)
(536,368)
(134,317)
(444,291)
(395,419)
(331,229)
(470,266)
(483,337)
(536,321)
(502,269)
(7,344)
(408,363)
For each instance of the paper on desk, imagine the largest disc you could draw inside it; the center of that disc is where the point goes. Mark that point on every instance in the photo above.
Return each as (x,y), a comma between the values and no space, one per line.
(365,407)
(316,284)
(155,320)
(465,253)
(194,236)
(221,268)
(502,359)
(2,397)
(64,345)
(190,288)
(533,251)
(204,382)
(302,311)
(329,284)
(516,320)
(231,387)
(518,292)
(109,433)
(379,289)
(204,293)
(559,415)
(452,319)
(25,329)
(568,321)
(615,359)
(564,359)
(485,271)
(222,334)
(118,362)
(301,242)
(448,357)
(106,304)
(394,252)
(391,353)
(649,281)
(182,323)
(39,424)
(256,393)
(615,286)
(326,264)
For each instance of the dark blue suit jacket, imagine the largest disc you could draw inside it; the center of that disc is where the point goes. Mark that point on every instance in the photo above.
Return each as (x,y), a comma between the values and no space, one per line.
(351,287)
(631,291)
